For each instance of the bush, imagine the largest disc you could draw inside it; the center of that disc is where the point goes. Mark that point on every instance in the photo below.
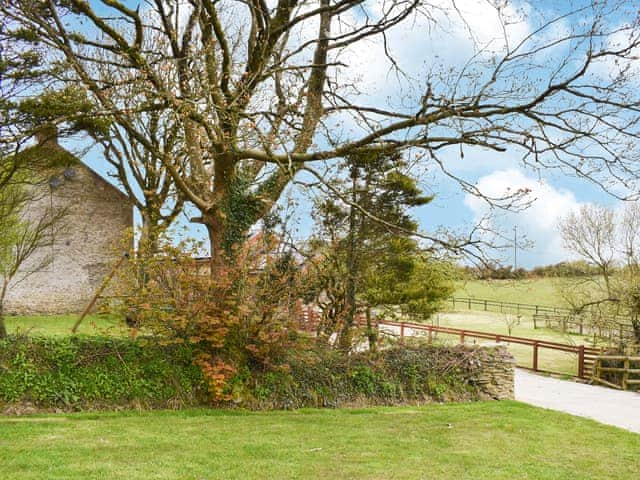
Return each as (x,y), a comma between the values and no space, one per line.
(100,373)
(240,317)
(77,373)
(399,375)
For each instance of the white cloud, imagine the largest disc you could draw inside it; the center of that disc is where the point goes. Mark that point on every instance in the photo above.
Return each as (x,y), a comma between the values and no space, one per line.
(448,35)
(538,222)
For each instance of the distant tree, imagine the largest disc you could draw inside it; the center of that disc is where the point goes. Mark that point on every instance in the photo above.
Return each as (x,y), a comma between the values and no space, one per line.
(611,243)
(575,268)
(511,321)
(591,234)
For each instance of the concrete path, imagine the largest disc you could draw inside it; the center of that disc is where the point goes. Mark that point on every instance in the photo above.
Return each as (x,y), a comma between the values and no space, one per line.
(606,405)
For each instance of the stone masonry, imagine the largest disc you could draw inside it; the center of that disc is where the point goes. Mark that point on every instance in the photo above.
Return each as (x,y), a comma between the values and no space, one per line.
(495,371)
(86,243)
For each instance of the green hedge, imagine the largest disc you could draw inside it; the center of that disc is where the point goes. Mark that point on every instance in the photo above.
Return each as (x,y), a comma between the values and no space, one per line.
(94,372)
(79,373)
(401,375)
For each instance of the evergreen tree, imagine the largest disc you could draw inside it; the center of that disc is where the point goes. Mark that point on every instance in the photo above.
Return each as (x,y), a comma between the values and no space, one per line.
(369,256)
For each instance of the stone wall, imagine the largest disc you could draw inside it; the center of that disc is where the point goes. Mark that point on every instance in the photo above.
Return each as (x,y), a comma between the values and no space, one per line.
(85,244)
(494,372)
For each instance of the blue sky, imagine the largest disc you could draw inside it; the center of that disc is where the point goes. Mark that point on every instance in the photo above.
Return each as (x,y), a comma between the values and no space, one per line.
(418,47)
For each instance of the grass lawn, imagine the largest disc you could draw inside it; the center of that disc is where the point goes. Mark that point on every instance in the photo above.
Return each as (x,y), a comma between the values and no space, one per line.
(493,440)
(537,291)
(56,325)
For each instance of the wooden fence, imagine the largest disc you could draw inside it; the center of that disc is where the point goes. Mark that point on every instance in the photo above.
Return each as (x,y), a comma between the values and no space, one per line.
(625,370)
(613,328)
(604,328)
(503,307)
(585,356)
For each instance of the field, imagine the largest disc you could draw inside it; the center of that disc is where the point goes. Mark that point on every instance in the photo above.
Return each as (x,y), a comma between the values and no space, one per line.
(496,323)
(537,291)
(492,440)
(56,325)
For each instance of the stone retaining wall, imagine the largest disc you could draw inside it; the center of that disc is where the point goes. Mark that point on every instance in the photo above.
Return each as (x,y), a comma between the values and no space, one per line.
(495,372)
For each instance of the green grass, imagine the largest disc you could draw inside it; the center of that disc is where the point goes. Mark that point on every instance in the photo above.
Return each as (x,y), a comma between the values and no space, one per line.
(538,291)
(60,325)
(493,440)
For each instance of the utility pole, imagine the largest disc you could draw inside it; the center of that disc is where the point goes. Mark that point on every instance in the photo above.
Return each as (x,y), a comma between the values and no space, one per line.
(515,248)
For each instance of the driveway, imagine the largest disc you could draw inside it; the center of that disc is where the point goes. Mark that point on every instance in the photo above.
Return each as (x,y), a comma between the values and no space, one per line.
(613,407)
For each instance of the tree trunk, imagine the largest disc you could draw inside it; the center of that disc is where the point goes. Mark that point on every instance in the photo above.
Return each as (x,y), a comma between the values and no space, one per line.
(3,328)
(3,292)
(372,335)
(150,234)
(219,260)
(345,337)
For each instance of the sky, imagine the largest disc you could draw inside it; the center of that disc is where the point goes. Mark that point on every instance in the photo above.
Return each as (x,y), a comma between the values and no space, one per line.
(418,45)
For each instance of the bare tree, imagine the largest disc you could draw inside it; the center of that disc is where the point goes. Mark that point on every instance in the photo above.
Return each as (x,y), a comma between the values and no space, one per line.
(611,243)
(259,90)
(24,239)
(145,179)
(591,234)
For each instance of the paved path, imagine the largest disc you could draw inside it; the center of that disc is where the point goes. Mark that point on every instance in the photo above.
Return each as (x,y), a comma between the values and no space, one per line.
(606,405)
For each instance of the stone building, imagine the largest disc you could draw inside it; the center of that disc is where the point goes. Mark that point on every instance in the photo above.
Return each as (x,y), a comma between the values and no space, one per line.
(85,242)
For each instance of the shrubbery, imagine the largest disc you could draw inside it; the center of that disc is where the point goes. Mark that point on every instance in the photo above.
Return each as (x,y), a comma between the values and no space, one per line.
(79,372)
(91,373)
(400,375)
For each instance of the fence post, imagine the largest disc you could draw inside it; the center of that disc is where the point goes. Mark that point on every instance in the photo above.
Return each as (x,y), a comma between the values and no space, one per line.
(536,309)
(517,309)
(581,361)
(430,333)
(454,302)
(401,332)
(462,337)
(535,356)
(485,305)
(469,300)
(625,374)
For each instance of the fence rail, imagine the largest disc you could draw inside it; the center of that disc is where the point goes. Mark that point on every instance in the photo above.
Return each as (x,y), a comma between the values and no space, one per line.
(607,327)
(585,356)
(486,305)
(625,370)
